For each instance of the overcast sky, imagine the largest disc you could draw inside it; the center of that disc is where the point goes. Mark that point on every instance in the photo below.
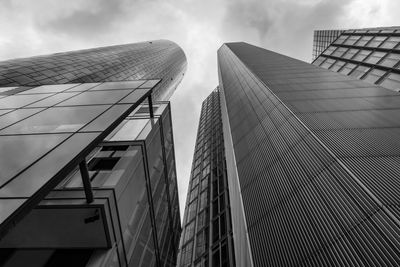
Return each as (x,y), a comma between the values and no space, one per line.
(200,27)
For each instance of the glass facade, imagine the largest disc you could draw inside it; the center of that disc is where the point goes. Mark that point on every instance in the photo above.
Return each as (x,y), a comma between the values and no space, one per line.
(88,172)
(312,157)
(373,53)
(147,60)
(207,232)
(322,39)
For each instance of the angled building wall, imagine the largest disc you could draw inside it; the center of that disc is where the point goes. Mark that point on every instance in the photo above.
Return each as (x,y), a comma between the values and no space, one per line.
(371,55)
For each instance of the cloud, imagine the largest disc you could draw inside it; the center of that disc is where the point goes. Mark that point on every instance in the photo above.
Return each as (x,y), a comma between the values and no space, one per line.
(94,17)
(282,26)
(251,16)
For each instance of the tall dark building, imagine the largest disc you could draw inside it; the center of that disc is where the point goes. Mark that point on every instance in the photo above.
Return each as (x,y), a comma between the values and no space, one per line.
(207,229)
(87,166)
(312,159)
(371,55)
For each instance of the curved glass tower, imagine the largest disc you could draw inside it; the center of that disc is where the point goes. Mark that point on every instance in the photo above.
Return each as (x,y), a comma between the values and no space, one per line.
(161,59)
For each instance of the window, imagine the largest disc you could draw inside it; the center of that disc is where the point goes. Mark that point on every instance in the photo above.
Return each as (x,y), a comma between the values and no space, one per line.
(203,262)
(374,75)
(194,194)
(222,203)
(360,31)
(201,242)
(328,63)
(115,148)
(329,50)
(359,71)
(191,211)
(96,98)
(347,68)
(392,81)
(203,199)
(341,39)
(197,162)
(375,57)
(56,119)
(376,41)
(215,209)
(391,42)
(387,31)
(319,60)
(186,257)
(340,51)
(202,219)
(363,41)
(338,64)
(189,232)
(215,232)
(216,258)
(206,170)
(390,60)
(215,188)
(362,55)
(224,255)
(352,39)
(55,88)
(206,161)
(130,130)
(204,183)
(101,164)
(350,53)
(195,181)
(196,171)
(222,221)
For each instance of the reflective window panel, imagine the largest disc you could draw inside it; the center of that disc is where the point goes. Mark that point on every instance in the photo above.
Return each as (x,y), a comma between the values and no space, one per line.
(392,81)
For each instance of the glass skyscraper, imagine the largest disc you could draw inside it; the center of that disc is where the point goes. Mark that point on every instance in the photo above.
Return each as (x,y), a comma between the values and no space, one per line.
(87,166)
(371,55)
(312,160)
(207,229)
(146,60)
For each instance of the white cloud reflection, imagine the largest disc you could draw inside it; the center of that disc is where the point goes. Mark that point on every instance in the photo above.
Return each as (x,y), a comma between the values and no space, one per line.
(200,27)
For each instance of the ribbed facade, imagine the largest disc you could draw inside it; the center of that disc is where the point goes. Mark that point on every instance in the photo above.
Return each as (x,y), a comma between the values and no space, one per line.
(316,157)
(207,232)
(371,55)
(147,60)
(322,39)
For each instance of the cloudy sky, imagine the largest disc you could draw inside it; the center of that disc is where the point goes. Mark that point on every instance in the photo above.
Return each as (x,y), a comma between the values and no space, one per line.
(200,27)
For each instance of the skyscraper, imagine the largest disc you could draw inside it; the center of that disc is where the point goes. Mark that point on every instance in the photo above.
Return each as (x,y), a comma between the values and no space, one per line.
(87,165)
(312,158)
(371,54)
(146,60)
(207,229)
